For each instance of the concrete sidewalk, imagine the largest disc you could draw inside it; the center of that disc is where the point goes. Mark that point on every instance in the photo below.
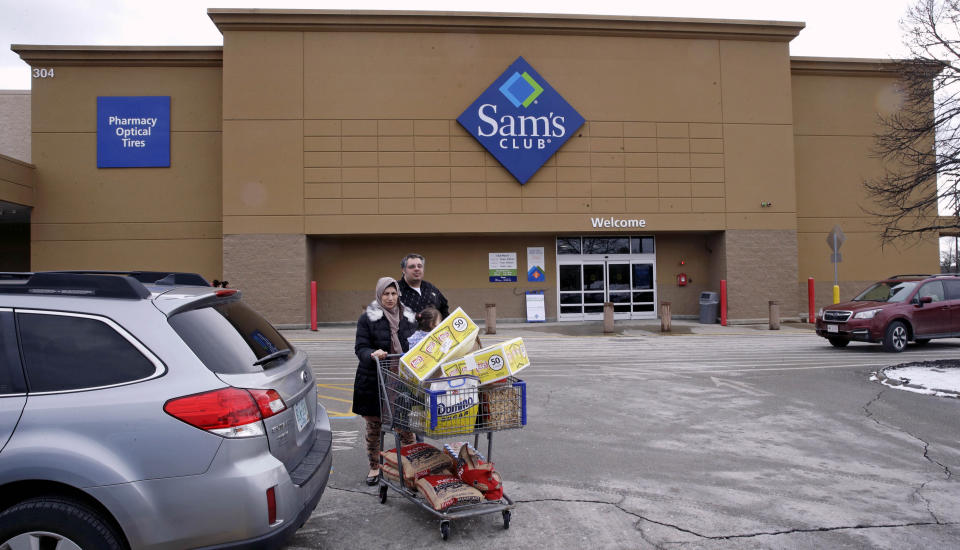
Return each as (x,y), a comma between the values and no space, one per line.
(585,328)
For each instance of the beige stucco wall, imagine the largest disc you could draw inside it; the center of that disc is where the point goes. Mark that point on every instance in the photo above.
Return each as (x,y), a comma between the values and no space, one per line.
(327,143)
(16,196)
(126,218)
(17,181)
(835,112)
(350,130)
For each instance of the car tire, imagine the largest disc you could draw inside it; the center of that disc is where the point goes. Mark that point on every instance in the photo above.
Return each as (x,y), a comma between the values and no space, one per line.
(839,342)
(56,522)
(895,337)
(921,341)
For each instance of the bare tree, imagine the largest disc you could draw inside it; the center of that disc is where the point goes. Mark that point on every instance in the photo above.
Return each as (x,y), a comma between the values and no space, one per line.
(948,260)
(920,142)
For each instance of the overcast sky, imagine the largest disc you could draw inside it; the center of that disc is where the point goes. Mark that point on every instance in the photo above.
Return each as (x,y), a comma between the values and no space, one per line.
(835,28)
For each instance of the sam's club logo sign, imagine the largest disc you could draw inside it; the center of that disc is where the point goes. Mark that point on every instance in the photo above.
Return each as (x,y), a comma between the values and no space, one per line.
(521,120)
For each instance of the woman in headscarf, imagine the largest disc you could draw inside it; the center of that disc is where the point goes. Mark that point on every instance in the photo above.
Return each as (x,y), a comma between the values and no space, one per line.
(381,330)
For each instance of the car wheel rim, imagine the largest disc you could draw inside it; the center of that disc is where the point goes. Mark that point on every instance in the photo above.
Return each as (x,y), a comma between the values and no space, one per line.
(39,539)
(899,338)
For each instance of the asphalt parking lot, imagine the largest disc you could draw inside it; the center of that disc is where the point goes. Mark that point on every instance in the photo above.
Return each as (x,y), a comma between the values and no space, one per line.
(711,437)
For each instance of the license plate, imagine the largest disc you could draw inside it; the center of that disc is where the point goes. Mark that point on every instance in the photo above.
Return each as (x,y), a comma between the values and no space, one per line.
(300,411)
(833,328)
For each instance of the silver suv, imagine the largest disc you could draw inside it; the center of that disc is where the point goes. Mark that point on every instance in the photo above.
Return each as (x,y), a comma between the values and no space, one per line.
(151,410)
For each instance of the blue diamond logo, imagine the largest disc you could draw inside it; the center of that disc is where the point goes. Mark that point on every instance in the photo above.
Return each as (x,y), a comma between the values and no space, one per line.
(521,120)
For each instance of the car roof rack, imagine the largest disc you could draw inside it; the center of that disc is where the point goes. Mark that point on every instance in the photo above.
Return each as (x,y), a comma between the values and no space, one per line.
(104,284)
(166,278)
(73,284)
(905,275)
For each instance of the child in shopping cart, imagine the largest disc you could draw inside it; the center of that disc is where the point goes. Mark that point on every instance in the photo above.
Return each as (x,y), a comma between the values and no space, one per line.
(427,320)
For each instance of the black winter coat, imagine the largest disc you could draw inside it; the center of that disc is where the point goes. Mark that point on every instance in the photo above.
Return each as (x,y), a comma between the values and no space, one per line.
(373,333)
(429,295)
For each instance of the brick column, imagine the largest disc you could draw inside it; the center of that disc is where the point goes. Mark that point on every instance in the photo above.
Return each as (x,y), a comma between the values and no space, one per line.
(271,272)
(761,266)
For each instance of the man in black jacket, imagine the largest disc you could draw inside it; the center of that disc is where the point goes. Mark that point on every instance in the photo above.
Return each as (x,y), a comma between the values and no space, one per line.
(415,293)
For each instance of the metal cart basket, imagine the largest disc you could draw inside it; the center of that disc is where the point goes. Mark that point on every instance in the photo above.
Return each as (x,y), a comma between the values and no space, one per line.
(405,406)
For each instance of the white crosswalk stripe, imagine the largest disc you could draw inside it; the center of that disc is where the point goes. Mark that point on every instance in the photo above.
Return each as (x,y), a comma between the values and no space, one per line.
(720,358)
(333,361)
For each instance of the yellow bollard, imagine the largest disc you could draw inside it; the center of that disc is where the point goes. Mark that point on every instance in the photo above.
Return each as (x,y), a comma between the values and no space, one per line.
(836,294)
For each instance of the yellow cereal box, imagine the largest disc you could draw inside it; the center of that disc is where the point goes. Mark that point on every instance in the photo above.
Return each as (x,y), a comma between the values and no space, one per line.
(452,338)
(492,363)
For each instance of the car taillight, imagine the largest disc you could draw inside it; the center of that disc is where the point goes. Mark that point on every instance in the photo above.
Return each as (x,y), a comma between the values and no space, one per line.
(269,401)
(271,505)
(229,412)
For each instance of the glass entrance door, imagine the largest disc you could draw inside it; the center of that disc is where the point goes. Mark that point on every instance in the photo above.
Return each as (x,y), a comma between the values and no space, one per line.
(586,285)
(643,299)
(593,269)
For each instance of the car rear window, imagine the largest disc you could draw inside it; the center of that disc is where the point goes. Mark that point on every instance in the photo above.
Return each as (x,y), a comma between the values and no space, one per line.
(70,352)
(229,338)
(11,375)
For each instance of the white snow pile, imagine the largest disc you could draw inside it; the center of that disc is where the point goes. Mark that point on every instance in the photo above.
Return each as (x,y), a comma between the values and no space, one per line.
(939,378)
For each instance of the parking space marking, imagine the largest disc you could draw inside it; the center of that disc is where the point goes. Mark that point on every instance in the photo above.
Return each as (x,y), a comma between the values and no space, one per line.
(335,398)
(345,440)
(343,387)
(325,398)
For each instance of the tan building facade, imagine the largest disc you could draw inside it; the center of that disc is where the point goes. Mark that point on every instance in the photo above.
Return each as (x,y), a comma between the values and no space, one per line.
(324,146)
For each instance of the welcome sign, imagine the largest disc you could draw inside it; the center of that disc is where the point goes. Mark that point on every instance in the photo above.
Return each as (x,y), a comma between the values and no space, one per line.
(521,120)
(133,132)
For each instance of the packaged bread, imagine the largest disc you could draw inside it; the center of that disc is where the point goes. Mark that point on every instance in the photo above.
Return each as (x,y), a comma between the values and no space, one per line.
(501,406)
(452,338)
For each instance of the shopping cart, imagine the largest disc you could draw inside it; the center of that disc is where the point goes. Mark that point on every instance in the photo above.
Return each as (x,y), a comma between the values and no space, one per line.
(407,406)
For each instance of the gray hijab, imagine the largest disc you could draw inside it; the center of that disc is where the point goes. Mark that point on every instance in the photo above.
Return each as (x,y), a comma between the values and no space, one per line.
(392,315)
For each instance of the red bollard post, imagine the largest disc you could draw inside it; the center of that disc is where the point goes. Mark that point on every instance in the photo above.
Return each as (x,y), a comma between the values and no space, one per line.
(723,302)
(810,300)
(313,305)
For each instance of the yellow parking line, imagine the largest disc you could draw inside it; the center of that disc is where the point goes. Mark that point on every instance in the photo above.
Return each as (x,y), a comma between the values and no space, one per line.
(335,387)
(340,415)
(334,398)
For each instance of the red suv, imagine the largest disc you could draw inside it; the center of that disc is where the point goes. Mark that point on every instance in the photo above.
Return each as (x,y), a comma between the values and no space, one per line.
(895,311)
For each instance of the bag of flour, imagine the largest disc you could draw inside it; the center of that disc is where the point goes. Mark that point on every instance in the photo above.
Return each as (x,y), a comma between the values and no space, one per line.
(443,492)
(419,459)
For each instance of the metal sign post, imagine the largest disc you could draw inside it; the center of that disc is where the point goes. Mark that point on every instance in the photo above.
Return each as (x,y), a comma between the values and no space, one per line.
(835,240)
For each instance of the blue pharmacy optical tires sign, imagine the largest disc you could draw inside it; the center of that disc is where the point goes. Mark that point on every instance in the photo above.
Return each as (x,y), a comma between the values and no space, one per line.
(521,120)
(133,132)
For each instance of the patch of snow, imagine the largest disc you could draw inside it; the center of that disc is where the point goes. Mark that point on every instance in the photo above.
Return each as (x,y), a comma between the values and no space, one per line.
(939,378)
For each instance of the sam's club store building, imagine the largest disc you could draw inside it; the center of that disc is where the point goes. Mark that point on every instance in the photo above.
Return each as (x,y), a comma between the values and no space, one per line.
(590,158)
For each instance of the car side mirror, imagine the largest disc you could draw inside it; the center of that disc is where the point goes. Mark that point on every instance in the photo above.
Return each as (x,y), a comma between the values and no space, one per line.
(922,300)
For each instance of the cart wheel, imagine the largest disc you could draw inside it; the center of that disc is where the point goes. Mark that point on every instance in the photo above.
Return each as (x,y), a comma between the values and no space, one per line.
(506,519)
(444,529)
(383,494)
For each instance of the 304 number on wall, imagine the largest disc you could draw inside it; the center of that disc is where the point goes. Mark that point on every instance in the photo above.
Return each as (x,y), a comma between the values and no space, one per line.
(43,73)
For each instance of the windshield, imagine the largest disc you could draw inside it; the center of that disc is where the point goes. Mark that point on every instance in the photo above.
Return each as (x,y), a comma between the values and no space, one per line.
(887,292)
